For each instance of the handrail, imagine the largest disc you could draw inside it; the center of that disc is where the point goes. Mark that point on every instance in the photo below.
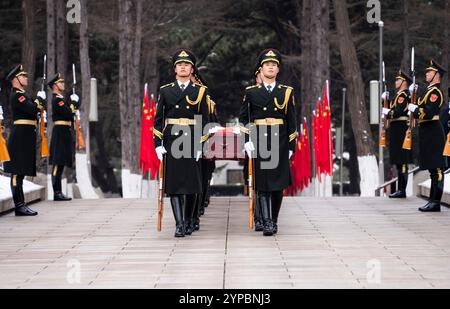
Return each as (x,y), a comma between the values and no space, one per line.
(377,190)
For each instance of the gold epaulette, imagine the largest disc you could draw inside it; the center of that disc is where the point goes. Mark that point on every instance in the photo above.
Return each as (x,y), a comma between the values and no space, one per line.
(254,86)
(200,85)
(284,86)
(171,84)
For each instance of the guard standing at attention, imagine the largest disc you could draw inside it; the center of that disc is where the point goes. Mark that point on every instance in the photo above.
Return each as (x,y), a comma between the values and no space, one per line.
(431,134)
(62,144)
(22,141)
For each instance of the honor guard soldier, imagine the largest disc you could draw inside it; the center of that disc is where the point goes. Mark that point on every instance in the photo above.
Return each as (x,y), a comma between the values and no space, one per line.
(431,134)
(62,144)
(181,115)
(397,114)
(22,141)
(269,108)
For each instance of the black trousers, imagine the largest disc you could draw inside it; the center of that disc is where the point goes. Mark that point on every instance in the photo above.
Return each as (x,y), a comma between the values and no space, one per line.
(57,178)
(184,206)
(270,204)
(437,185)
(402,172)
(17,189)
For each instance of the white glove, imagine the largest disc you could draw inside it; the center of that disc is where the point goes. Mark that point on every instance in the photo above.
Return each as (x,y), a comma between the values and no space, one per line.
(413,88)
(160,151)
(237,130)
(214,130)
(1,113)
(412,107)
(75,98)
(199,154)
(386,111)
(42,95)
(249,147)
(385,95)
(291,153)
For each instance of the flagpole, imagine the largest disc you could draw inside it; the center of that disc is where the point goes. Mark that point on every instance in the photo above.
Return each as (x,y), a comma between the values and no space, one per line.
(341,172)
(142,167)
(380,148)
(330,136)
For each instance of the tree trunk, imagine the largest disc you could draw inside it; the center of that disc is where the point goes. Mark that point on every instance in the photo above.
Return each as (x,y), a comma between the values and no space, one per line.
(28,46)
(62,46)
(151,74)
(130,38)
(83,158)
(85,71)
(406,45)
(315,52)
(359,119)
(51,64)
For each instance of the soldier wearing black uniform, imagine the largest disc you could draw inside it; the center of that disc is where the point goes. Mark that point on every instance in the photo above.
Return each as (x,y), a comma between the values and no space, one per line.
(61,145)
(431,135)
(397,114)
(22,141)
(181,115)
(270,107)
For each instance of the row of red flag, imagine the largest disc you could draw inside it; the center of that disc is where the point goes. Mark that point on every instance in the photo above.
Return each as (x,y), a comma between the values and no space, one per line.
(148,158)
(322,147)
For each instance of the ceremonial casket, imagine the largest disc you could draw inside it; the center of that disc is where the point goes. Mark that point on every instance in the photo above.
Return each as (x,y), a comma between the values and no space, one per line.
(225,144)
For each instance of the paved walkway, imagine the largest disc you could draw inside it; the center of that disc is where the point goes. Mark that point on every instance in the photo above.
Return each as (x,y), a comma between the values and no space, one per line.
(327,243)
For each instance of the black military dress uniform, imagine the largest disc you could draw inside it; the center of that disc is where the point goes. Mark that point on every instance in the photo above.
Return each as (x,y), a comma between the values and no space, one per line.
(398,125)
(62,143)
(22,141)
(272,112)
(432,139)
(180,118)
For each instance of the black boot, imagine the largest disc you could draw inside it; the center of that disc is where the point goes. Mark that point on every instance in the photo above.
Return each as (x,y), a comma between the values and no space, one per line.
(178,213)
(60,197)
(266,211)
(436,191)
(402,172)
(257,217)
(277,200)
(189,212)
(21,209)
(56,183)
(196,217)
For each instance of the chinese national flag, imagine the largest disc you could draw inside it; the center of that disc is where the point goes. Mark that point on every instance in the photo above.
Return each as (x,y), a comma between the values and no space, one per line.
(328,140)
(148,158)
(319,149)
(295,169)
(307,155)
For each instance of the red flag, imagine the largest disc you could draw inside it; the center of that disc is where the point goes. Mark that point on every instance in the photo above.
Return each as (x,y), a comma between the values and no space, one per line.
(316,144)
(148,158)
(307,154)
(329,150)
(295,169)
